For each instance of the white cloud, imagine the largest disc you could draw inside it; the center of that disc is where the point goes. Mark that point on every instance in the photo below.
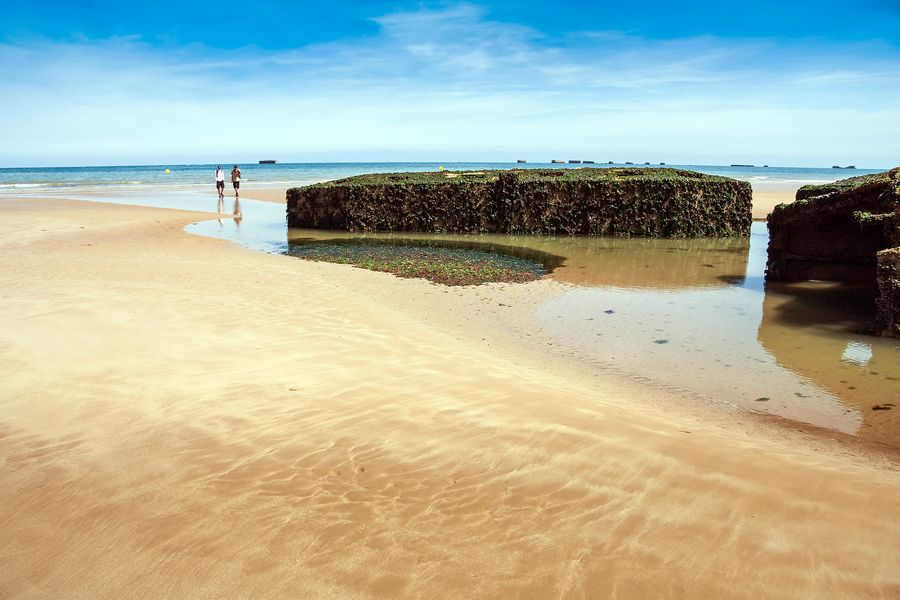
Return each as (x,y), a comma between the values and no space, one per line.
(451,84)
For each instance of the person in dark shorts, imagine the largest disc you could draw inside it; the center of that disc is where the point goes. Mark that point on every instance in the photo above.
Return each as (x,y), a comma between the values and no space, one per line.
(236,180)
(220,182)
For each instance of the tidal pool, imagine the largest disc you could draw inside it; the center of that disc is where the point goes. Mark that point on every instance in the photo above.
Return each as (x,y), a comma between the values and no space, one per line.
(697,315)
(790,350)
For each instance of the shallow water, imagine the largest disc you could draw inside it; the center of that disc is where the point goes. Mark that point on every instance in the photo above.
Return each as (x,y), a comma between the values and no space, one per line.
(789,350)
(691,314)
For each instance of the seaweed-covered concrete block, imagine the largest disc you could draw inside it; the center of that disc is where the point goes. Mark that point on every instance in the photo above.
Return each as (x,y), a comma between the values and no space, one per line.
(841,231)
(887,304)
(589,201)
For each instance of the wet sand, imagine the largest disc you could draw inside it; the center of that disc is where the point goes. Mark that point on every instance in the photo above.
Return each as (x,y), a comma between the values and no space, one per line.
(184,418)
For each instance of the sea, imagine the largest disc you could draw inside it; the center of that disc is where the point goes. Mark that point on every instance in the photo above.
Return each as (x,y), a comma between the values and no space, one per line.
(39,180)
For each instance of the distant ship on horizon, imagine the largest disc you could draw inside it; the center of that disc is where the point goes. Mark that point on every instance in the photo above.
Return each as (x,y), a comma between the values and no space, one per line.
(267,162)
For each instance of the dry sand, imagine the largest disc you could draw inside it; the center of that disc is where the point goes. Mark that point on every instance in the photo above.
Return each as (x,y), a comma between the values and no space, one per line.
(184,418)
(262,192)
(764,201)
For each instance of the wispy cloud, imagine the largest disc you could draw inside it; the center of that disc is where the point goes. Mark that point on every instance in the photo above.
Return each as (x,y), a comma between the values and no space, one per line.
(452,83)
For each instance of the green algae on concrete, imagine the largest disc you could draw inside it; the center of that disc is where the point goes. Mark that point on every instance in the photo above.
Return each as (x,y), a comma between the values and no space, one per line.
(887,303)
(651,202)
(845,231)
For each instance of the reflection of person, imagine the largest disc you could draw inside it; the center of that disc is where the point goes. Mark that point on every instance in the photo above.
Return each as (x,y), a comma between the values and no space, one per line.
(238,215)
(236,180)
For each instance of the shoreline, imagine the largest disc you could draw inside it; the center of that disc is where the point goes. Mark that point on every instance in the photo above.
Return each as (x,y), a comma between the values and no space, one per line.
(766,195)
(280,428)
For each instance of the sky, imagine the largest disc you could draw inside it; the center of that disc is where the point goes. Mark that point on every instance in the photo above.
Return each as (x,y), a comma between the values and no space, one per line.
(782,83)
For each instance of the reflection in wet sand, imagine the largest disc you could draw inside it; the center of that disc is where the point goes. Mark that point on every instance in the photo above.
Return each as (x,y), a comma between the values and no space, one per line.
(809,328)
(650,263)
(790,352)
(237,213)
(701,342)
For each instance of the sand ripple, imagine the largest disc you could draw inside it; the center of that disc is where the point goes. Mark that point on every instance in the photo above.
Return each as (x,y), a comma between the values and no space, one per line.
(185,419)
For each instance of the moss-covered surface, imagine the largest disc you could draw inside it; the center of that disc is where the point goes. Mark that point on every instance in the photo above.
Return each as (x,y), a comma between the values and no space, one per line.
(590,201)
(887,303)
(867,219)
(523,175)
(851,183)
(443,265)
(842,231)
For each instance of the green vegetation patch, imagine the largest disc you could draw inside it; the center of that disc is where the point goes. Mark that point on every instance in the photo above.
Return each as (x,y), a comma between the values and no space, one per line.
(865,218)
(447,266)
(521,175)
(851,183)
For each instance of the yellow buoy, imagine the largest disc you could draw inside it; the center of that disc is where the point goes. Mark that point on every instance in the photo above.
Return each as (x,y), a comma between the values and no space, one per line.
(440,168)
(167,171)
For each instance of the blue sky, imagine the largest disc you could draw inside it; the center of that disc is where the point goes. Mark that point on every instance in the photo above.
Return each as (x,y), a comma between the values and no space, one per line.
(799,83)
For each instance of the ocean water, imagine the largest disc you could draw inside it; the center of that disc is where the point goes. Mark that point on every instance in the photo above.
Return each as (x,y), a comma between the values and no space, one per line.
(43,180)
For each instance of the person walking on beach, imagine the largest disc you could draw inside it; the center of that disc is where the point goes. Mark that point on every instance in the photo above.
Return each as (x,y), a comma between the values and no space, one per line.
(236,180)
(220,187)
(220,181)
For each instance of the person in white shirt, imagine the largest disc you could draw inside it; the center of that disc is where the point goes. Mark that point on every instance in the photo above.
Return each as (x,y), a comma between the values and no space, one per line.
(220,182)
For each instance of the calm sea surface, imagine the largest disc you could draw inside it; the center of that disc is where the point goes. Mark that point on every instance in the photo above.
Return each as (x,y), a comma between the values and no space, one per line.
(690,314)
(40,180)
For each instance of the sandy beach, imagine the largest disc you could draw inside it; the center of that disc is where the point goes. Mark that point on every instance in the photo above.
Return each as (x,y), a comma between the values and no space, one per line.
(184,418)
(765,200)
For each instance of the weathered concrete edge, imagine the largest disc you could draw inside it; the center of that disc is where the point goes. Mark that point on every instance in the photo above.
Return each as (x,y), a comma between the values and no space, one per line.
(701,206)
(840,198)
(887,304)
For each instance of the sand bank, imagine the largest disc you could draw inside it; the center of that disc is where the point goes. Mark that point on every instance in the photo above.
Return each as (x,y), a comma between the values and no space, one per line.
(184,418)
(262,192)
(765,201)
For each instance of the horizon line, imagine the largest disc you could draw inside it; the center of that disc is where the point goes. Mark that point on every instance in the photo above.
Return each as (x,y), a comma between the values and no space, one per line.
(452,162)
